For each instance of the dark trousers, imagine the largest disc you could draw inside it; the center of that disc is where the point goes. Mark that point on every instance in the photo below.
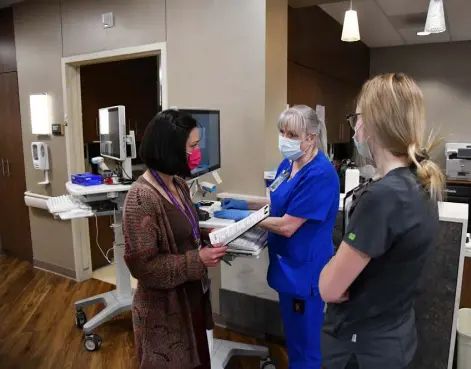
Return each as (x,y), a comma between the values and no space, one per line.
(389,347)
(353,364)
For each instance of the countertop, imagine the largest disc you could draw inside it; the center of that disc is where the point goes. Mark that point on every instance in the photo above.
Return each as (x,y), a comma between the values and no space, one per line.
(449,211)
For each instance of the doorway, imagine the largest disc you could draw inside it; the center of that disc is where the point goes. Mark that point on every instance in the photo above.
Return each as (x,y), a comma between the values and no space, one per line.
(133,83)
(80,125)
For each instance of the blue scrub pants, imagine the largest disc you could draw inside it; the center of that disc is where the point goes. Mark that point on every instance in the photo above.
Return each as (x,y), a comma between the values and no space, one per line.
(302,323)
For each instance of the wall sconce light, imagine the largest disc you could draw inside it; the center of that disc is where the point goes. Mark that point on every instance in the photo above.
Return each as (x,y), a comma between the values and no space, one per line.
(40,116)
(350,31)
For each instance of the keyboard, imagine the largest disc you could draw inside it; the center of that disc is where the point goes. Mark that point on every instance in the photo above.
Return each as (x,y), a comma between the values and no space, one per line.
(65,203)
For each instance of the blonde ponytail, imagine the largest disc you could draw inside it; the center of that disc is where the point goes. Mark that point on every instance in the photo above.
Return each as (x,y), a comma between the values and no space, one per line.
(393,113)
(429,173)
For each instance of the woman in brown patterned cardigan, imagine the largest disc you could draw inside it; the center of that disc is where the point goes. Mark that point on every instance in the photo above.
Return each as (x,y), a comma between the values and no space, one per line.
(171,309)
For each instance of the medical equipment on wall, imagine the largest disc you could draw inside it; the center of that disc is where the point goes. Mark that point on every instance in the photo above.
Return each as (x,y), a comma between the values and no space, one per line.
(40,155)
(115,143)
(458,161)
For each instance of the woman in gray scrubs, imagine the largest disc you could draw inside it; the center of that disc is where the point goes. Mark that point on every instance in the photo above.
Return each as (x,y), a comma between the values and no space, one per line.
(392,223)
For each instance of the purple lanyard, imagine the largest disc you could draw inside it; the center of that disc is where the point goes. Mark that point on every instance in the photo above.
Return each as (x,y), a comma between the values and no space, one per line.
(191,218)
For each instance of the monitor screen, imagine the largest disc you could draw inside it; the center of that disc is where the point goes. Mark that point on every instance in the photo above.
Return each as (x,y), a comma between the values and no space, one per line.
(112,130)
(210,144)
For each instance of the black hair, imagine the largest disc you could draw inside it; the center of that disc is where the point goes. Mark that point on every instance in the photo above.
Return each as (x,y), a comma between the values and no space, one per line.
(163,147)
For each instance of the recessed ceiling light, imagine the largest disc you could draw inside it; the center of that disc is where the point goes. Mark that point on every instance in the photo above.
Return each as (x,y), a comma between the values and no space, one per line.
(423,33)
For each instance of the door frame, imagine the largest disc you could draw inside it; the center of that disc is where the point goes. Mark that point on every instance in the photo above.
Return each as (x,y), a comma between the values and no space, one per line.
(74,128)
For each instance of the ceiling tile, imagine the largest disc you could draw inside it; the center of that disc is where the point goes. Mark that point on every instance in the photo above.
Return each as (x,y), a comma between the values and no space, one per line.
(305,3)
(403,7)
(375,28)
(410,35)
(458,14)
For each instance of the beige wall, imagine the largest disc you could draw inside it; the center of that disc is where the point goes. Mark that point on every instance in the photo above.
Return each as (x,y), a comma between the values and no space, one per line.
(137,22)
(216,59)
(443,73)
(226,55)
(39,52)
(276,80)
(232,56)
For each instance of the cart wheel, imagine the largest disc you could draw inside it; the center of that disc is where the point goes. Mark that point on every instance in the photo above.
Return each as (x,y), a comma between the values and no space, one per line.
(92,342)
(80,318)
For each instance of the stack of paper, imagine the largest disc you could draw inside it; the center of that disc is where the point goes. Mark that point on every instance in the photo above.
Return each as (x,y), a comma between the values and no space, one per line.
(230,233)
(242,237)
(250,241)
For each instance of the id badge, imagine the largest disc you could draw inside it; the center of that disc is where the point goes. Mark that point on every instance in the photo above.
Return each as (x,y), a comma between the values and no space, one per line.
(278,181)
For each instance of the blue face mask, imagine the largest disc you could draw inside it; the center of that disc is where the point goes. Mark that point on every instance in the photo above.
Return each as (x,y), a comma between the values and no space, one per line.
(363,148)
(289,148)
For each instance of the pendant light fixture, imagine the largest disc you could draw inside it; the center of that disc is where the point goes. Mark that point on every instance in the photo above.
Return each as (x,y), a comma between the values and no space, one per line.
(350,31)
(435,22)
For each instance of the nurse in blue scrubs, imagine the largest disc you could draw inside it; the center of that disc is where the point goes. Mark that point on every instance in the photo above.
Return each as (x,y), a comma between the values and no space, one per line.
(304,202)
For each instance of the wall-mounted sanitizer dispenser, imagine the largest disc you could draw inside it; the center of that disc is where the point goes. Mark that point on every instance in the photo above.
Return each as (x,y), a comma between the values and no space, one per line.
(40,157)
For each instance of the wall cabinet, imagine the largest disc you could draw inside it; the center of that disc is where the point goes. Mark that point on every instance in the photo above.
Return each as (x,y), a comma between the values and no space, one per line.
(7,42)
(308,87)
(324,70)
(15,231)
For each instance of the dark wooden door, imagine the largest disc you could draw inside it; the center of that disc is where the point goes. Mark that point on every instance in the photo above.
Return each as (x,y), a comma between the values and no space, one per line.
(133,83)
(7,41)
(3,155)
(15,229)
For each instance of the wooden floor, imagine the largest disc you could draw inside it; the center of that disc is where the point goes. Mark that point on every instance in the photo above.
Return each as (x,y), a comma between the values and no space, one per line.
(37,329)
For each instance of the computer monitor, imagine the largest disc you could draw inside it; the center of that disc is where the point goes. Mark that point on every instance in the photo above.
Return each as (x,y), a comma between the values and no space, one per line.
(112,123)
(210,142)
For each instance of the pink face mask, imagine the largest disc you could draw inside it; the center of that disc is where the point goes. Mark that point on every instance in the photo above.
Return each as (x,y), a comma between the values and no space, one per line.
(194,158)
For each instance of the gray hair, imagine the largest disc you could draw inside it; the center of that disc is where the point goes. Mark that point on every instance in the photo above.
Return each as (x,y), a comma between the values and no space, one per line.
(304,120)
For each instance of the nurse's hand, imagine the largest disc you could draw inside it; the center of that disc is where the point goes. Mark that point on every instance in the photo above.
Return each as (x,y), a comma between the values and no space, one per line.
(232,214)
(211,256)
(234,204)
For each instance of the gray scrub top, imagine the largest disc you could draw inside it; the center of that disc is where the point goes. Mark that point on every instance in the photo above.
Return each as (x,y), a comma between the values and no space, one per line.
(394,222)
